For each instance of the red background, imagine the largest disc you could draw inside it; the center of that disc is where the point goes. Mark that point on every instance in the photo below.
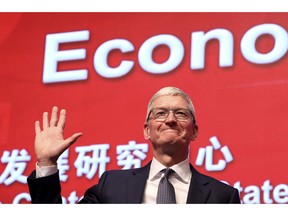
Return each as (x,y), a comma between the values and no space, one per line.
(245,105)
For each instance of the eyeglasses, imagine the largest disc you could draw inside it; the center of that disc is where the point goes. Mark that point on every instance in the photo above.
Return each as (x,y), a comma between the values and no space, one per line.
(161,114)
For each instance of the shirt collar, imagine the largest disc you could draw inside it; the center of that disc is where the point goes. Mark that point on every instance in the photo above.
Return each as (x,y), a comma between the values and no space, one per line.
(182,170)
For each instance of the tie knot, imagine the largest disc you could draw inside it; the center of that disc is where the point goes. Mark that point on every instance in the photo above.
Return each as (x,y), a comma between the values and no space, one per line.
(167,172)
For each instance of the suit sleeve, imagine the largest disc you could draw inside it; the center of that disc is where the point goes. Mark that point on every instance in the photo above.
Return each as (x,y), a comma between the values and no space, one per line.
(45,189)
(235,198)
(93,195)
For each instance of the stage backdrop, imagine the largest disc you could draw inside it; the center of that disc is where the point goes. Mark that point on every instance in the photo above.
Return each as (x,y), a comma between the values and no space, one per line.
(104,67)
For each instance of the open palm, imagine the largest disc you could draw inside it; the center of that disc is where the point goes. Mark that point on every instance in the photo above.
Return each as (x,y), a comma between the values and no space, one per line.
(50,142)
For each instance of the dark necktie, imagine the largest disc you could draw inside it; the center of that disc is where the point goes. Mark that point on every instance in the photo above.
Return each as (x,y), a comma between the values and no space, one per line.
(166,192)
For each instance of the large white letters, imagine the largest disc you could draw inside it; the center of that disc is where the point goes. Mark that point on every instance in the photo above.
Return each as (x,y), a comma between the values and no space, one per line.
(146,50)
(248,42)
(198,43)
(53,56)
(100,58)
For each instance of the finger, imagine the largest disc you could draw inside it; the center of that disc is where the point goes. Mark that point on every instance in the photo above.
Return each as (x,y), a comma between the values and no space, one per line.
(45,120)
(69,141)
(62,118)
(54,118)
(37,127)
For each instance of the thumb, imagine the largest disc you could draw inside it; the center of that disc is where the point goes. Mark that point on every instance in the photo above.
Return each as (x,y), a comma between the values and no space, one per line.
(70,140)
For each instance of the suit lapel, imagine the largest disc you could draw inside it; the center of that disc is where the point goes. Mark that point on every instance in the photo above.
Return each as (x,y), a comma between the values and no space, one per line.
(198,190)
(136,184)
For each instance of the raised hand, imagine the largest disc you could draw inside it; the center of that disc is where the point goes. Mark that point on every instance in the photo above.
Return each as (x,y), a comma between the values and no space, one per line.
(50,142)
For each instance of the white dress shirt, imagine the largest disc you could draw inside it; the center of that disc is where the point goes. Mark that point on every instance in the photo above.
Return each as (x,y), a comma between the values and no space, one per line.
(45,170)
(180,181)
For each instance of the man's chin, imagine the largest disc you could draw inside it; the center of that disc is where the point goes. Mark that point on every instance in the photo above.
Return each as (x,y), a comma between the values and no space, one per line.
(172,139)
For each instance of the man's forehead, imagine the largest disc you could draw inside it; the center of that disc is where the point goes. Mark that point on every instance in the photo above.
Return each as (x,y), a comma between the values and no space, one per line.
(170,101)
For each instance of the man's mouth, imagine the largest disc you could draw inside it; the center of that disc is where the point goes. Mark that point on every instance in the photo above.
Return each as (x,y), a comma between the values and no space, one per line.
(171,130)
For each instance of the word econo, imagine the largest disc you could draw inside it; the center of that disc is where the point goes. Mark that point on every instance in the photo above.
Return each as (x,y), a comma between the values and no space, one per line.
(197,52)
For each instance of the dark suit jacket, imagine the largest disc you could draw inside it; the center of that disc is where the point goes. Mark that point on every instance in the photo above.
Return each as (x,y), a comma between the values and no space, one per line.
(127,186)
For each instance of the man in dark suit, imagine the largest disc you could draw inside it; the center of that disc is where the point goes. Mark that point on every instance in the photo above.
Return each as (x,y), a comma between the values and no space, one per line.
(170,126)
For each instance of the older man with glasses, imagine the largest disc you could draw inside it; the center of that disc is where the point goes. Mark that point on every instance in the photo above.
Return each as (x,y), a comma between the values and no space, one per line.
(169,178)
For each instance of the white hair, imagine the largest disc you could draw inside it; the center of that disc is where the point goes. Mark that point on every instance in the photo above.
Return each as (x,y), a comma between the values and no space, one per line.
(174,91)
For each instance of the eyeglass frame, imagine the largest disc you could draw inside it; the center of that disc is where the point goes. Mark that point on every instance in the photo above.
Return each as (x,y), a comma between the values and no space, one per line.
(173,111)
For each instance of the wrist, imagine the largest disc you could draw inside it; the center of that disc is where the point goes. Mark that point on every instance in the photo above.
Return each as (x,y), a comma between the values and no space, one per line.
(41,163)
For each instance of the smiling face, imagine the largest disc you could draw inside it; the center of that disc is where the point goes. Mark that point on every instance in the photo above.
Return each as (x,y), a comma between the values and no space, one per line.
(170,136)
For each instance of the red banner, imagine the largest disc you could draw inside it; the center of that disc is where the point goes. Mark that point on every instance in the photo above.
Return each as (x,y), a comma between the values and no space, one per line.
(104,67)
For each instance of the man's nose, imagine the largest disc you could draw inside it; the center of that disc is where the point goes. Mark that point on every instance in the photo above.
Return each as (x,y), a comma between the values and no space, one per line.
(171,117)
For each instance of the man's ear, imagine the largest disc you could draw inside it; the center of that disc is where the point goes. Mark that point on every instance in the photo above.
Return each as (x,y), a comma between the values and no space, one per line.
(195,132)
(146,131)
